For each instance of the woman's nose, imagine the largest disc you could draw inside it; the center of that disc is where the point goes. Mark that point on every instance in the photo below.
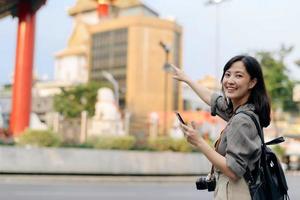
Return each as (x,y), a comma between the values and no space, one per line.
(230,79)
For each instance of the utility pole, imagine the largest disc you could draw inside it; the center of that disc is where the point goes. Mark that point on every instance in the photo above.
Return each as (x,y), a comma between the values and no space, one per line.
(166,49)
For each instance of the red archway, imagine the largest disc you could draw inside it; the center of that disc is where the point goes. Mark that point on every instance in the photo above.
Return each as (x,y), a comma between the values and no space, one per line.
(26,10)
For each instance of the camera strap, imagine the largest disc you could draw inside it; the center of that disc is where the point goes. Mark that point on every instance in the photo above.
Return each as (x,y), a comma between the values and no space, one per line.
(216,145)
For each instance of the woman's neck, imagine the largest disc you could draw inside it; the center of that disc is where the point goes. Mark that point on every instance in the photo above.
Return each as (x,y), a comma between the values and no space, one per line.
(237,103)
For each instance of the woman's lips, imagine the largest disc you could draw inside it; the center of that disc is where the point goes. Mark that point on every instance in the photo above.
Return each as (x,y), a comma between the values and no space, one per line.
(230,89)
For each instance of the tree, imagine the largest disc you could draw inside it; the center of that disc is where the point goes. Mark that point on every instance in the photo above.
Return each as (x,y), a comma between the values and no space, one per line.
(73,101)
(279,86)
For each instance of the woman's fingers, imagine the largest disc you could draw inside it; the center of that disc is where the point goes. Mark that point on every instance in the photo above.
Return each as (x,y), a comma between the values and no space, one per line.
(176,77)
(187,131)
(193,124)
(184,127)
(174,68)
(190,133)
(178,74)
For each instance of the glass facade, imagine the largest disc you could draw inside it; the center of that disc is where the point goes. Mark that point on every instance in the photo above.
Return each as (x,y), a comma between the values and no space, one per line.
(109,53)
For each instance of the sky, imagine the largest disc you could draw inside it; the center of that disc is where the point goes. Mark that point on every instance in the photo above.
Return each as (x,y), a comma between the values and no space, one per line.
(245,26)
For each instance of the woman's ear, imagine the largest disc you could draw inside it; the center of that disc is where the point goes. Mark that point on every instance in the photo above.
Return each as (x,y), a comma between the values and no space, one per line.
(252,83)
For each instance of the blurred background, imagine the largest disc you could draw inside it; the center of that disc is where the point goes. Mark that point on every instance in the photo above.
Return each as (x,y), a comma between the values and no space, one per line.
(91,78)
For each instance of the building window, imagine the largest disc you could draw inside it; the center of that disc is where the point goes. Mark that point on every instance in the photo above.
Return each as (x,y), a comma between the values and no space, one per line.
(109,53)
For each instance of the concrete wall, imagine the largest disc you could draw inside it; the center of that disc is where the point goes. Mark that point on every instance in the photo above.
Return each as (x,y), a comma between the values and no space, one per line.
(89,161)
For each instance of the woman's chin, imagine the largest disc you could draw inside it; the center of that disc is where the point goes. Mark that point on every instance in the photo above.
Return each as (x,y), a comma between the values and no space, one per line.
(229,95)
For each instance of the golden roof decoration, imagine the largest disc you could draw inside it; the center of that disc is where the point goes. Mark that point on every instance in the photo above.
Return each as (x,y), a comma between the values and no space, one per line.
(127,3)
(79,36)
(83,6)
(91,5)
(77,43)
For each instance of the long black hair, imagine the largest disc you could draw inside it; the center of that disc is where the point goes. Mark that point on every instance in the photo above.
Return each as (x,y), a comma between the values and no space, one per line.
(258,95)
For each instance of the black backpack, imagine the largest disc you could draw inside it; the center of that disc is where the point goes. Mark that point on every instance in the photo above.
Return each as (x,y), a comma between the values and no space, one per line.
(267,181)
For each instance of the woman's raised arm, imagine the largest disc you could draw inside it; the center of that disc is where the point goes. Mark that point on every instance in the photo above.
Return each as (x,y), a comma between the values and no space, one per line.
(203,92)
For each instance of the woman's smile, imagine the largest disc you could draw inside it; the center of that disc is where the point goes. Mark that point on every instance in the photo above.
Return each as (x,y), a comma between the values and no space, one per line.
(231,89)
(237,83)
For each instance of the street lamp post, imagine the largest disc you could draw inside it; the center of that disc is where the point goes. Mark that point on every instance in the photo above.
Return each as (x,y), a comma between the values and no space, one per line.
(115,84)
(216,3)
(166,49)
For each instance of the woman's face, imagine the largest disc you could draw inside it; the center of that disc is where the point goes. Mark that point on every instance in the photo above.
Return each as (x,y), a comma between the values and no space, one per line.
(237,83)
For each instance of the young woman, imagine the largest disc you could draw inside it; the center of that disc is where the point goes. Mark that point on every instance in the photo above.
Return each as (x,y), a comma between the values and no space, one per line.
(239,143)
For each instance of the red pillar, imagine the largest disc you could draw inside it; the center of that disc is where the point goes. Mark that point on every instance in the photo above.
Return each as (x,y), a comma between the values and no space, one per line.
(21,105)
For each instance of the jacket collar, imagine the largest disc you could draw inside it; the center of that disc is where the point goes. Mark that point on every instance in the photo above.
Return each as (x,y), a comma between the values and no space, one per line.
(245,107)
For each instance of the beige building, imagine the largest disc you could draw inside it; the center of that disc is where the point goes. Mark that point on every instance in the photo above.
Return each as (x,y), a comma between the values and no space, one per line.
(126,45)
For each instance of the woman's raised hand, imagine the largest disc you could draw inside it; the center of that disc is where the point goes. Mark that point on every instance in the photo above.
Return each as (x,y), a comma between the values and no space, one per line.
(178,74)
(191,134)
(203,92)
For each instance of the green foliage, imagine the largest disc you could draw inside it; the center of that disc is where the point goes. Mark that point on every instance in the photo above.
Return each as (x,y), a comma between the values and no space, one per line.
(7,87)
(279,86)
(160,143)
(141,141)
(77,145)
(39,138)
(279,151)
(50,139)
(73,101)
(164,143)
(112,142)
(181,145)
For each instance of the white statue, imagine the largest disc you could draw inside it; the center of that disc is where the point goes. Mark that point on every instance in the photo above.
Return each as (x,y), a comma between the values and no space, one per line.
(107,118)
(35,122)
(106,108)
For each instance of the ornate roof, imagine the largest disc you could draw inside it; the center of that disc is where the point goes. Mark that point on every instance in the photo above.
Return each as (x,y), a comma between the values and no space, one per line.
(83,6)
(127,3)
(90,5)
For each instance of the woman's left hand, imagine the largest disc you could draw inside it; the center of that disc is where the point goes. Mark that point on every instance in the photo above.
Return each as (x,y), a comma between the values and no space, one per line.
(191,134)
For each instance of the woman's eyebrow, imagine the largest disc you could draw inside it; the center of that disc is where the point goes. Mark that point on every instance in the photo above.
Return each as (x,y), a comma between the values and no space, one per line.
(238,72)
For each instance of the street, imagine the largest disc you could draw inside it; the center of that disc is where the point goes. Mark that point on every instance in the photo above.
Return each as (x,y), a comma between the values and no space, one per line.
(26,187)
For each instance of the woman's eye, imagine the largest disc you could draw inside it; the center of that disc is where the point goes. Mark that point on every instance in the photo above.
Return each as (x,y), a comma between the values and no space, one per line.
(239,76)
(227,75)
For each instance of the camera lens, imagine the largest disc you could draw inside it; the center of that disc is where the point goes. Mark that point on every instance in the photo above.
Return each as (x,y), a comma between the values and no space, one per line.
(201,183)
(204,183)
(211,185)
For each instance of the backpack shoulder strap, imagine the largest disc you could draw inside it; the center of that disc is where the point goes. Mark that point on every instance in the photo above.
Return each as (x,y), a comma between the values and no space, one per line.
(249,176)
(259,130)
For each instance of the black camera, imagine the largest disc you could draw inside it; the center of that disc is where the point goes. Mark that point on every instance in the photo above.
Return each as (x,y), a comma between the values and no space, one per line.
(208,183)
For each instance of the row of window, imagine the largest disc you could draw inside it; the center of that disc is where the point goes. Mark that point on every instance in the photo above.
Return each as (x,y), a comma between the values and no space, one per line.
(109,50)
